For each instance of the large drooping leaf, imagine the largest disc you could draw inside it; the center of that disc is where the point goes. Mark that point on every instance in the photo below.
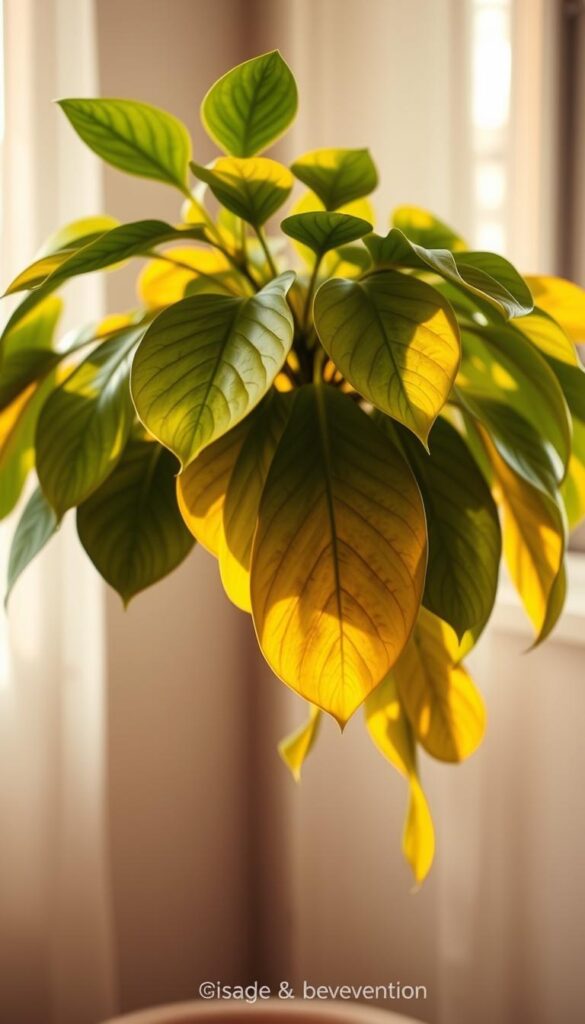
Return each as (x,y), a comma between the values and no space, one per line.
(131,526)
(17,433)
(424,228)
(112,247)
(202,487)
(339,553)
(35,528)
(251,106)
(534,532)
(322,231)
(392,734)
(84,425)
(134,137)
(206,362)
(28,351)
(296,747)
(252,188)
(166,280)
(244,492)
(337,176)
(443,705)
(509,385)
(463,529)
(396,341)
(563,300)
(491,277)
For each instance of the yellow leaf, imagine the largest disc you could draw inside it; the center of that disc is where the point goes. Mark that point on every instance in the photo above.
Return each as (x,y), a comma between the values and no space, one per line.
(391,732)
(544,332)
(240,510)
(444,707)
(162,281)
(202,486)
(573,486)
(534,539)
(295,748)
(563,300)
(339,553)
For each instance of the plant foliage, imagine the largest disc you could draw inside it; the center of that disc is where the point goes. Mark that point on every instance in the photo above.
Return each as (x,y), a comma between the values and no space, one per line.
(355,424)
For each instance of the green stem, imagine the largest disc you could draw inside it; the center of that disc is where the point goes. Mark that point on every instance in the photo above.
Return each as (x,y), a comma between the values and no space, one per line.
(266,250)
(318,364)
(310,292)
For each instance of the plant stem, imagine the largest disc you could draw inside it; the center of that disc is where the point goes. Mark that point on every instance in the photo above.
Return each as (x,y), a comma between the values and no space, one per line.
(310,292)
(318,364)
(266,250)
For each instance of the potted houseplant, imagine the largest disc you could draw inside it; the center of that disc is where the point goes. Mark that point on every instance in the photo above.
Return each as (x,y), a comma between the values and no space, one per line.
(355,423)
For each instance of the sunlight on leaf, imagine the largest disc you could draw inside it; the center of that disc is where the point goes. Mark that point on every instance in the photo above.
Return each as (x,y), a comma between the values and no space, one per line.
(296,747)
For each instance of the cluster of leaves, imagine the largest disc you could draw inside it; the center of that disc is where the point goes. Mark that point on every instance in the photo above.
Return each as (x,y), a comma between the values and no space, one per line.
(352,440)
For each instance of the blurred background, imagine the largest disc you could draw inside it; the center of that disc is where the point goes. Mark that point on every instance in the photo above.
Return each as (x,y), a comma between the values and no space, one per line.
(151,838)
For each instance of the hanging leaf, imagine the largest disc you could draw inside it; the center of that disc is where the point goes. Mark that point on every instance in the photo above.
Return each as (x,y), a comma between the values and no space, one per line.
(392,735)
(339,553)
(84,425)
(323,231)
(28,351)
(337,176)
(484,274)
(244,492)
(131,527)
(135,137)
(295,748)
(396,341)
(253,189)
(206,362)
(202,487)
(444,707)
(36,526)
(562,300)
(251,106)
(463,529)
(424,228)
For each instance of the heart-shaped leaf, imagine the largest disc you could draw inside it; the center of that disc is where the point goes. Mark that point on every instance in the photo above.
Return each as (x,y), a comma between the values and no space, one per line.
(131,527)
(207,361)
(84,425)
(484,274)
(339,553)
(34,530)
(252,188)
(463,527)
(134,137)
(322,231)
(444,707)
(337,176)
(251,106)
(424,228)
(396,341)
(392,734)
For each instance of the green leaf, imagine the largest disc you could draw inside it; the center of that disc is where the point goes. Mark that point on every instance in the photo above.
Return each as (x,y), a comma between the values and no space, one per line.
(34,530)
(135,137)
(396,341)
(112,247)
(502,378)
(339,553)
(463,527)
(27,351)
(251,106)
(253,189)
(131,527)
(322,231)
(17,433)
(207,361)
(84,425)
(337,176)
(77,233)
(424,228)
(484,274)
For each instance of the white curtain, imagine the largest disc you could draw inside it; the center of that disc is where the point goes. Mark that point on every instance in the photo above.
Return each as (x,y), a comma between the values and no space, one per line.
(56,946)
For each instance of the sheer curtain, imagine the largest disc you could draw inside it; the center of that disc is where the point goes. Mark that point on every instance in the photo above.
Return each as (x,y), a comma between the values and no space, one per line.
(56,955)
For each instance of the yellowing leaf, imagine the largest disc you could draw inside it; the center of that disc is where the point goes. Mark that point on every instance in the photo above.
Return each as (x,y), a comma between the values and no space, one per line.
(444,707)
(396,341)
(339,553)
(563,300)
(423,227)
(295,748)
(310,203)
(201,488)
(573,486)
(253,188)
(163,281)
(548,336)
(392,735)
(337,176)
(534,540)
(244,491)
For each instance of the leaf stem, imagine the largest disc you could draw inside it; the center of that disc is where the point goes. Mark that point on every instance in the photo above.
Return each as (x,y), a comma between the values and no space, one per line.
(310,292)
(266,250)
